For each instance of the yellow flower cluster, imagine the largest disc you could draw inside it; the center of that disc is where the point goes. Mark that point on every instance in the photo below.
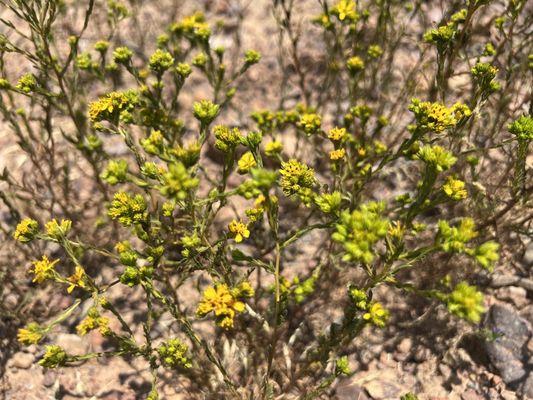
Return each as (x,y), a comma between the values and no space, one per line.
(310,123)
(110,106)
(376,314)
(57,230)
(337,134)
(224,302)
(128,209)
(437,117)
(26,230)
(94,321)
(239,230)
(345,10)
(256,213)
(337,155)
(455,189)
(246,163)
(31,334)
(77,279)
(43,269)
(194,26)
(297,178)
(274,147)
(226,139)
(355,64)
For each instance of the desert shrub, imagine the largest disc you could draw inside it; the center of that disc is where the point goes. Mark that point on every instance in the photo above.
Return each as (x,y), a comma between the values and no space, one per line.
(256,250)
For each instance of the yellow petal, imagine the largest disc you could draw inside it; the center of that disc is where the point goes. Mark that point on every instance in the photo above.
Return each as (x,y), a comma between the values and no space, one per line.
(239,306)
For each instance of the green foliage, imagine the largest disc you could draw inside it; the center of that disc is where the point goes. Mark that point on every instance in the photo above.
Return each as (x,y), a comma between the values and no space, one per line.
(116,172)
(360,230)
(454,239)
(466,302)
(436,157)
(177,182)
(522,128)
(205,111)
(409,396)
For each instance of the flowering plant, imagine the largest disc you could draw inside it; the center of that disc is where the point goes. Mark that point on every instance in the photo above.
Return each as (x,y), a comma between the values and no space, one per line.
(202,217)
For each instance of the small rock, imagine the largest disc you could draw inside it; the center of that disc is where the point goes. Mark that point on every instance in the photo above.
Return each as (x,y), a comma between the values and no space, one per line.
(386,360)
(50,377)
(405,345)
(384,387)
(471,395)
(422,354)
(510,367)
(515,294)
(21,360)
(494,394)
(458,358)
(528,255)
(527,388)
(445,370)
(403,350)
(71,343)
(350,392)
(506,352)
(527,313)
(495,380)
(508,395)
(10,301)
(32,349)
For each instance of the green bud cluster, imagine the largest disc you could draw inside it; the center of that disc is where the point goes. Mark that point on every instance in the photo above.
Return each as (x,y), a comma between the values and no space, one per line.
(466,302)
(173,354)
(128,209)
(360,230)
(116,172)
(297,179)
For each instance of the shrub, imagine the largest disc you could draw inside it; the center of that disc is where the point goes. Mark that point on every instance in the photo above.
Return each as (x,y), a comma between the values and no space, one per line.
(198,217)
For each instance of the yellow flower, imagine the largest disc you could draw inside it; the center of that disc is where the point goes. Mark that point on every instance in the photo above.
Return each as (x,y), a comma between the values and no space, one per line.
(337,134)
(455,189)
(355,64)
(43,269)
(336,155)
(246,162)
(77,279)
(26,230)
(57,230)
(346,9)
(239,229)
(94,321)
(274,147)
(310,123)
(297,179)
(376,314)
(31,334)
(112,105)
(243,289)
(396,230)
(224,303)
